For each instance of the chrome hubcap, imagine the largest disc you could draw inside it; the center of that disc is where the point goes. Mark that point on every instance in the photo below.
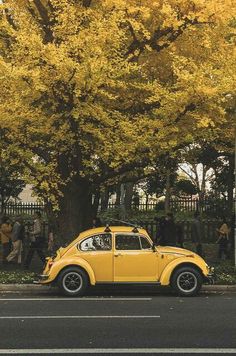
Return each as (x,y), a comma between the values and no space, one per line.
(72,282)
(187,282)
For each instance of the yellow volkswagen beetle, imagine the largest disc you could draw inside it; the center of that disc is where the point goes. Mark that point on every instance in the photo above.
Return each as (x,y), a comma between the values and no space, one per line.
(121,254)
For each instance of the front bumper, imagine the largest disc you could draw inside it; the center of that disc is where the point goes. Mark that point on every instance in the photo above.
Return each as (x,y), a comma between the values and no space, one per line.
(210,278)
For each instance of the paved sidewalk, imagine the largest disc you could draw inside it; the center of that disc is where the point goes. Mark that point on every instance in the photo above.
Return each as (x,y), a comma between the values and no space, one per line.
(37,288)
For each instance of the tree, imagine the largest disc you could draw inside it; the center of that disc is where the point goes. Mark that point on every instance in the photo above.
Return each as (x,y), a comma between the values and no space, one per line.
(11,182)
(223,180)
(99,87)
(184,186)
(163,179)
(210,168)
(198,165)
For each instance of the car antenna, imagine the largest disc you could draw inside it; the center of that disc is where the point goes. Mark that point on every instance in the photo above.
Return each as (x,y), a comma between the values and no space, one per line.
(135,227)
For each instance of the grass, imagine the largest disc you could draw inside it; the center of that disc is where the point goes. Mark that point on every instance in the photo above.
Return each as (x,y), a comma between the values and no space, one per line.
(225,273)
(17,277)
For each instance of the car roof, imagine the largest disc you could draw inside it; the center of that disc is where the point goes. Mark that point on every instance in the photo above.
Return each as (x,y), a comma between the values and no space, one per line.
(99,230)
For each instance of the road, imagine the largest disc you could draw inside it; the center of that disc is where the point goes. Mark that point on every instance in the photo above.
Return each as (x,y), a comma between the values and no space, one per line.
(118,321)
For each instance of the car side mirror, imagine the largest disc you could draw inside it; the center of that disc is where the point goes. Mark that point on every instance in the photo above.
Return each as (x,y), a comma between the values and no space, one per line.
(154,247)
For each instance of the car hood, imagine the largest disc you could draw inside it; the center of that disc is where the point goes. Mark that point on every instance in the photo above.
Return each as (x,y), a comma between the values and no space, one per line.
(175,250)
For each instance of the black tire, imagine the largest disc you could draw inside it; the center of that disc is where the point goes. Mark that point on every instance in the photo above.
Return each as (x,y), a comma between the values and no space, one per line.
(186,281)
(73,281)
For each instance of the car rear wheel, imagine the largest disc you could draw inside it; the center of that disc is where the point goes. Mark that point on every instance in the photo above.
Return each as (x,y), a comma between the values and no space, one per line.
(73,281)
(186,281)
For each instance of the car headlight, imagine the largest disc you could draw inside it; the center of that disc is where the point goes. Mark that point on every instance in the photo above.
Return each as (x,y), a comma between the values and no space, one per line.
(210,269)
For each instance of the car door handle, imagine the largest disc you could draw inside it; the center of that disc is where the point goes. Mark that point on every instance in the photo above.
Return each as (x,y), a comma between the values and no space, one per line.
(117,254)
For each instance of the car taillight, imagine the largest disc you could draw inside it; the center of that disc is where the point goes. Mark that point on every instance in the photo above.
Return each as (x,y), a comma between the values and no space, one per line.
(50,264)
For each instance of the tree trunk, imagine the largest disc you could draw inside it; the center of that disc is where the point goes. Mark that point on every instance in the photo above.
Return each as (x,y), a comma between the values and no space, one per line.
(129,191)
(118,195)
(147,201)
(2,203)
(75,209)
(168,192)
(122,202)
(96,201)
(230,185)
(105,199)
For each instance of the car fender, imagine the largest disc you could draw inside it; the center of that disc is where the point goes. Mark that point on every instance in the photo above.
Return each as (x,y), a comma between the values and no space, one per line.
(166,273)
(59,265)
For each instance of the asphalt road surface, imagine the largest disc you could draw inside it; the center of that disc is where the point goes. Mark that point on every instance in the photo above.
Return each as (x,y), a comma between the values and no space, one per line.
(118,322)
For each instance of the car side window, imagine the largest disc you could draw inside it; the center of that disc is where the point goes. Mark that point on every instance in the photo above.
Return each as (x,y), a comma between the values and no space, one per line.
(145,243)
(99,242)
(127,242)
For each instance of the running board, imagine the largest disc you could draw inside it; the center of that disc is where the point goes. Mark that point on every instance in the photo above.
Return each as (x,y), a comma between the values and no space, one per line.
(146,284)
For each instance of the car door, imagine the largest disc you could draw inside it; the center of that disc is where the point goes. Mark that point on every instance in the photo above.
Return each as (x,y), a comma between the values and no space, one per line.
(134,259)
(97,251)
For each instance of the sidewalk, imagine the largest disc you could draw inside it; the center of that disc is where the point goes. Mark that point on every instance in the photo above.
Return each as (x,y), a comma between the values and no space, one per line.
(36,288)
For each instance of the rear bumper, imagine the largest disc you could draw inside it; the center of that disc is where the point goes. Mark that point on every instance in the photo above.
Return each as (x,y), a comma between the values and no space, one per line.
(43,278)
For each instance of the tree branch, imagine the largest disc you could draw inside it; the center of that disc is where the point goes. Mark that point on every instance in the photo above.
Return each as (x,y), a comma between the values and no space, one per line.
(188,174)
(169,34)
(87,3)
(44,20)
(10,19)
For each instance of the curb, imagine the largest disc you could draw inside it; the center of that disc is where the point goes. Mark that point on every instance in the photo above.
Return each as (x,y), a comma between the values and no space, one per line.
(35,288)
(219,288)
(27,288)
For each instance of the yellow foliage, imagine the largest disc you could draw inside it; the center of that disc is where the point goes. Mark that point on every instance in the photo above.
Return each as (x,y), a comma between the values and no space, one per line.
(98,87)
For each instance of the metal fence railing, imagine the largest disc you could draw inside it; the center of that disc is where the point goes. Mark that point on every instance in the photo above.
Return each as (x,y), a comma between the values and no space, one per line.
(176,204)
(208,226)
(13,209)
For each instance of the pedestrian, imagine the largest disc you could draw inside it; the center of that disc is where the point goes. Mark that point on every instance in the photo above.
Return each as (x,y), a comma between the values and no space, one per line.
(232,233)
(170,230)
(97,222)
(17,236)
(160,234)
(5,233)
(223,239)
(180,235)
(166,231)
(197,233)
(36,241)
(51,243)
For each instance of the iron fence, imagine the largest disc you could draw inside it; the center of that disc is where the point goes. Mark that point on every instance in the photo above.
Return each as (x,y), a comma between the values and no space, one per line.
(14,209)
(209,229)
(177,204)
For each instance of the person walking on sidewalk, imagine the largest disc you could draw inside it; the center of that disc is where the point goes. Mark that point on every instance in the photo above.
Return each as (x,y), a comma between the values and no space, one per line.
(223,239)
(170,230)
(197,233)
(37,241)
(5,234)
(17,236)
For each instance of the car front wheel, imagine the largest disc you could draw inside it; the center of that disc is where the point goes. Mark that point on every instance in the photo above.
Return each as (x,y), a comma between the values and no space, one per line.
(186,281)
(73,281)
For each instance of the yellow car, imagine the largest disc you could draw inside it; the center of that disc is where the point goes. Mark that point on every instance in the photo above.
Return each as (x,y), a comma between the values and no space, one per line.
(121,254)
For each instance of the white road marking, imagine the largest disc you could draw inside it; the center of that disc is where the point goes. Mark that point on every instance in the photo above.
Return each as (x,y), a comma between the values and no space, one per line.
(22,317)
(120,351)
(73,299)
